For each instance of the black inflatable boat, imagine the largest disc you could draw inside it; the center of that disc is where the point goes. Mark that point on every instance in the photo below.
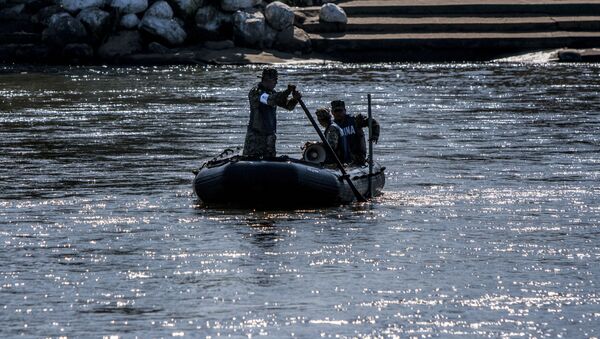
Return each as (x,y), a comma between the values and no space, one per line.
(282,181)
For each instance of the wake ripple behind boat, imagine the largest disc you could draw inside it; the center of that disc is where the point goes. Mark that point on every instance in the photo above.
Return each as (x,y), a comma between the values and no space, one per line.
(281,181)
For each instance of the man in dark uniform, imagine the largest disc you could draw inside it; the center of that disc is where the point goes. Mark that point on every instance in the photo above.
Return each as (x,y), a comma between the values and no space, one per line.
(262,128)
(352,133)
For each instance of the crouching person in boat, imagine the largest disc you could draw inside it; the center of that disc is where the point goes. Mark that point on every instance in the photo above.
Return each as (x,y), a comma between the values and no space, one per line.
(333,135)
(264,100)
(352,133)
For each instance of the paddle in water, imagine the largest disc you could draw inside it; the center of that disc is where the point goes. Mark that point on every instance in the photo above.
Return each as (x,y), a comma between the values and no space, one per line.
(345,175)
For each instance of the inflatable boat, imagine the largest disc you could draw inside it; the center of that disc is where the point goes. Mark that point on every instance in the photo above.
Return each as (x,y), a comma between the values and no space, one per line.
(235,180)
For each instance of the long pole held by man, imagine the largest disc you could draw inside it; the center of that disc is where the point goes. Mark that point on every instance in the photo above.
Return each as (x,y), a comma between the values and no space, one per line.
(370,117)
(359,197)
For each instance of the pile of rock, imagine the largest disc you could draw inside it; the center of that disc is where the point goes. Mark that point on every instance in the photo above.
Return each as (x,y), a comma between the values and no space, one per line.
(272,29)
(90,30)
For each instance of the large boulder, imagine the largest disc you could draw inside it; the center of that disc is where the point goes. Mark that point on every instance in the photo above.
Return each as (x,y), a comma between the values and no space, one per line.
(160,9)
(74,6)
(235,5)
(63,29)
(332,13)
(249,28)
(210,20)
(297,41)
(129,21)
(158,22)
(187,8)
(96,21)
(130,6)
(167,30)
(121,44)
(279,15)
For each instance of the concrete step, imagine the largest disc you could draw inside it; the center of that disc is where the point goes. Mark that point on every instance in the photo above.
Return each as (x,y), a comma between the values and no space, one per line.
(471,8)
(394,24)
(445,46)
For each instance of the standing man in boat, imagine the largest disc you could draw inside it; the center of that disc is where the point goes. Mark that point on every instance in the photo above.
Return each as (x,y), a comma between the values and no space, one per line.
(262,128)
(333,135)
(352,133)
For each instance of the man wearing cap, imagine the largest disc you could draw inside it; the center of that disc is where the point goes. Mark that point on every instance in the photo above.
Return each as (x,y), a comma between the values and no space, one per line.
(352,133)
(333,135)
(262,128)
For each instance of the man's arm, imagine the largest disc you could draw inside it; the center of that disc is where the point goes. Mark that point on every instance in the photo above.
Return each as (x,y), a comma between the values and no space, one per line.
(363,121)
(281,98)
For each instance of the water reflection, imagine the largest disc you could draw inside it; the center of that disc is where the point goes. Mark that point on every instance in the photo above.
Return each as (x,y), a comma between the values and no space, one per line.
(264,233)
(486,227)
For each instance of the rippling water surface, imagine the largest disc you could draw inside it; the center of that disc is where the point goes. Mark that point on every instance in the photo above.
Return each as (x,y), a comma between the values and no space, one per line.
(488,227)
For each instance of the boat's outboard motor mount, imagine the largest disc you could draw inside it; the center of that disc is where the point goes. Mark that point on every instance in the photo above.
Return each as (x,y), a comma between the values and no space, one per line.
(314,152)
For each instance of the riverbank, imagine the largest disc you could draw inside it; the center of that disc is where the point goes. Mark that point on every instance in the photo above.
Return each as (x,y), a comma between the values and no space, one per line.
(252,32)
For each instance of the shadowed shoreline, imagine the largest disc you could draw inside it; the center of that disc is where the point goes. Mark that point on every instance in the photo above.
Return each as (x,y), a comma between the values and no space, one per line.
(373,31)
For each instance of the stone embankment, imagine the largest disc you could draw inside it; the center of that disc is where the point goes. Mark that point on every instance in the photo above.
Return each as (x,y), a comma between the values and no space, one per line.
(443,30)
(144,31)
(255,31)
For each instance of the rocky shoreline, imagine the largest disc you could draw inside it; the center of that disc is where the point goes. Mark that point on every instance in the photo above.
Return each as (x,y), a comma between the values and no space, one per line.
(154,31)
(158,32)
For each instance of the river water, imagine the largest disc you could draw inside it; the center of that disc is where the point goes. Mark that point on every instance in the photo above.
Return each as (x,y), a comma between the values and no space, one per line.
(489,225)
